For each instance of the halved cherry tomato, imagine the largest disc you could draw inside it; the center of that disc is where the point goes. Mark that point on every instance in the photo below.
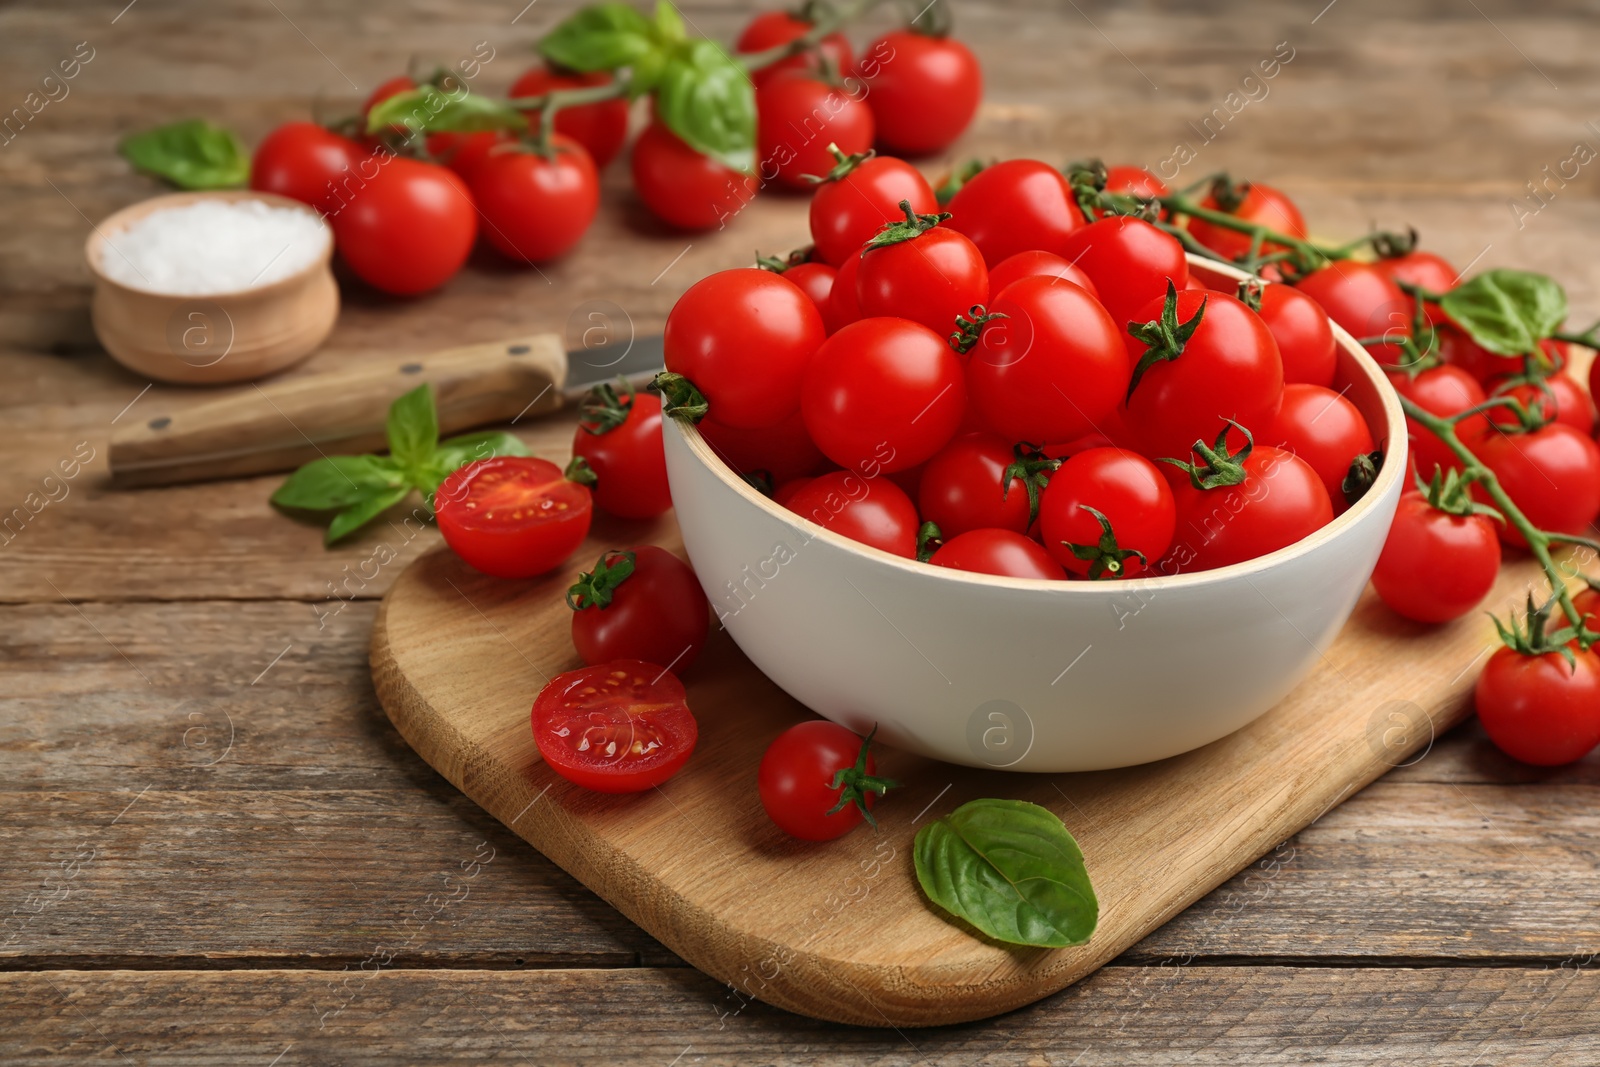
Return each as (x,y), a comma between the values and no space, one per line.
(1016,206)
(639,603)
(1323,428)
(1003,552)
(618,727)
(873,511)
(847,211)
(1129,492)
(1034,262)
(512,516)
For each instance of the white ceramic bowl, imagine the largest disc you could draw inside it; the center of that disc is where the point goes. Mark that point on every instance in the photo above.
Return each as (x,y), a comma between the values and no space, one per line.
(1027,674)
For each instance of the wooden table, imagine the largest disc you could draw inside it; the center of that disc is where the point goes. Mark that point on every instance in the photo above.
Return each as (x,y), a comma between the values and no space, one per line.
(209,825)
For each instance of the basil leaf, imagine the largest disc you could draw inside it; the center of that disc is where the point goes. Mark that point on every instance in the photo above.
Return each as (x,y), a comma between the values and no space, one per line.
(194,154)
(1012,870)
(428,109)
(705,97)
(669,26)
(600,37)
(413,428)
(337,482)
(1507,311)
(364,511)
(459,451)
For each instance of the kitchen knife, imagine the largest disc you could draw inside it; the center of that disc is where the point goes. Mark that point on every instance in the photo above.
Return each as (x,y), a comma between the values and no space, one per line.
(260,428)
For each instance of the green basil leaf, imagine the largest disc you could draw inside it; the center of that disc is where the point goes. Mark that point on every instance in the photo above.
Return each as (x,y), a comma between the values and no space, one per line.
(364,511)
(428,109)
(194,154)
(1507,311)
(600,37)
(459,451)
(1012,870)
(669,27)
(705,97)
(413,428)
(337,482)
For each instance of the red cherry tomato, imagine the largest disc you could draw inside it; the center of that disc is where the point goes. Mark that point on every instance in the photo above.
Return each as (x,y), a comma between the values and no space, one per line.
(1303,332)
(535,209)
(618,727)
(1016,206)
(873,511)
(798,117)
(1263,205)
(842,309)
(409,228)
(1442,391)
(1556,398)
(930,278)
(964,487)
(744,337)
(923,90)
(1436,566)
(1133,496)
(848,211)
(796,776)
(813,279)
(1003,552)
(683,188)
(305,162)
(1366,302)
(1540,709)
(784,451)
(1135,181)
(1130,261)
(1322,428)
(1027,264)
(773,28)
(640,603)
(1229,369)
(627,458)
(1552,474)
(883,395)
(512,516)
(1425,269)
(465,153)
(1053,369)
(784,494)
(1456,348)
(1280,501)
(601,127)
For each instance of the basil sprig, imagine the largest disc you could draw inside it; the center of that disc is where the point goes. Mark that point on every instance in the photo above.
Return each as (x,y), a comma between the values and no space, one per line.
(429,109)
(360,488)
(1507,311)
(1010,869)
(193,154)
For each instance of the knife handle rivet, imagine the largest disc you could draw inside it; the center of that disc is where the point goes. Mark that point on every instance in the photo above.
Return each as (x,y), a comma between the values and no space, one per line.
(160,424)
(411,368)
(519,350)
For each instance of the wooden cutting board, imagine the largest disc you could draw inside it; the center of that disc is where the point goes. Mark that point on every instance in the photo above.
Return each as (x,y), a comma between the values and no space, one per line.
(840,930)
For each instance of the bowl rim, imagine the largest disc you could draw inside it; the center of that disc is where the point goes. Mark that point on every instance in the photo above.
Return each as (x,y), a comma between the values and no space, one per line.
(122,218)
(1393,471)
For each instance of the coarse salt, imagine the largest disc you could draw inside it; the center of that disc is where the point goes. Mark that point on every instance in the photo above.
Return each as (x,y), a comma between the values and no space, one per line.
(213,246)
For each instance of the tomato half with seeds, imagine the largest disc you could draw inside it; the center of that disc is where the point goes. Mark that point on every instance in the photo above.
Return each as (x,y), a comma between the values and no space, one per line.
(639,603)
(1540,709)
(1323,428)
(1129,492)
(1002,552)
(1130,261)
(1016,206)
(512,516)
(847,211)
(617,727)
(1303,332)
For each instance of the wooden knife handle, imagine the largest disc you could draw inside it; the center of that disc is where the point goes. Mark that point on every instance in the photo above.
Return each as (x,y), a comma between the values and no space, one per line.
(276,427)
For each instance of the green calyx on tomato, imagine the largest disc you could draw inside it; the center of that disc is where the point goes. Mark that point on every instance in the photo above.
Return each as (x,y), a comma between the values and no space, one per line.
(1032,468)
(1449,491)
(779,264)
(1507,312)
(909,228)
(680,398)
(854,783)
(1164,337)
(594,589)
(1534,637)
(969,327)
(952,183)
(578,470)
(1228,193)
(929,541)
(1221,468)
(1393,245)
(605,408)
(843,165)
(1105,557)
(1362,473)
(1249,293)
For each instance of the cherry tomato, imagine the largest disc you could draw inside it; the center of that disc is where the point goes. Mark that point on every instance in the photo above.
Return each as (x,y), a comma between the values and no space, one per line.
(784,494)
(640,603)
(796,780)
(393,87)
(683,188)
(512,516)
(1303,332)
(621,443)
(1263,205)
(535,209)
(812,278)
(600,127)
(1456,348)
(1322,428)
(773,28)
(465,153)
(744,337)
(1130,261)
(1442,391)
(883,395)
(1133,496)
(842,309)
(964,487)
(1556,398)
(798,118)
(930,278)
(1135,181)
(1016,206)
(1540,709)
(923,90)
(785,451)
(1003,552)
(848,211)
(409,229)
(873,511)
(305,162)
(618,727)
(1229,369)
(1436,566)
(1366,302)
(1280,501)
(1552,474)
(1027,264)
(1425,269)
